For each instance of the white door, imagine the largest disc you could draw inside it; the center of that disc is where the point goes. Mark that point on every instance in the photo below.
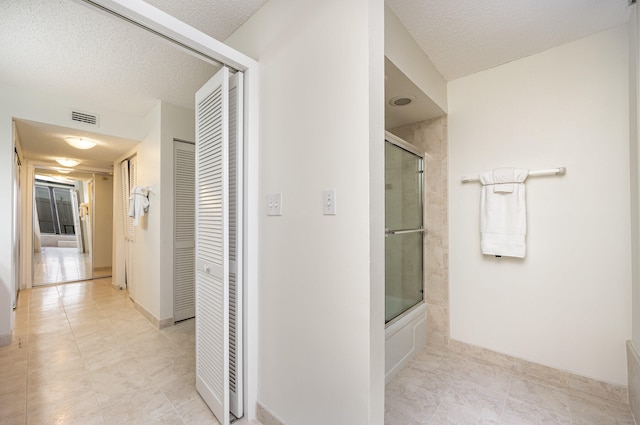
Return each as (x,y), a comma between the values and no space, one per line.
(219,158)
(212,244)
(184,161)
(236,126)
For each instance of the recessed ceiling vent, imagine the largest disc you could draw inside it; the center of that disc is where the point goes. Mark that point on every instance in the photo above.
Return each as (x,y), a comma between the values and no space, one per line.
(85,118)
(401,100)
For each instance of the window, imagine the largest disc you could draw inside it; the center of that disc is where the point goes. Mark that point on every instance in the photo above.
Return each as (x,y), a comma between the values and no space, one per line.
(55,210)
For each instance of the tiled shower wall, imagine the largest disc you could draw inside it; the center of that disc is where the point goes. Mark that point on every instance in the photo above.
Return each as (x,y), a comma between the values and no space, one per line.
(431,137)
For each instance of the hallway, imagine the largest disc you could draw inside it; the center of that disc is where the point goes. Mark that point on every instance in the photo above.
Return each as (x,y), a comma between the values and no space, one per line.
(82,354)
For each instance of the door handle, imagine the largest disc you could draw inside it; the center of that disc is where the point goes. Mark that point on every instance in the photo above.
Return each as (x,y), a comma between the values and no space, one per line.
(402,232)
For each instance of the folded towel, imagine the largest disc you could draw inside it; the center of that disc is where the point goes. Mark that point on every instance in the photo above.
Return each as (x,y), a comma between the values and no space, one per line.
(503,214)
(138,203)
(503,179)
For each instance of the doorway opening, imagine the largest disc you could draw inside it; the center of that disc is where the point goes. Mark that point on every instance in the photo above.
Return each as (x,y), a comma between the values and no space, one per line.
(72,226)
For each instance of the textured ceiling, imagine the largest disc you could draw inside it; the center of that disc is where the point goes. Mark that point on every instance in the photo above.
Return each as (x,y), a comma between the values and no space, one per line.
(62,47)
(463,37)
(59,46)
(217,18)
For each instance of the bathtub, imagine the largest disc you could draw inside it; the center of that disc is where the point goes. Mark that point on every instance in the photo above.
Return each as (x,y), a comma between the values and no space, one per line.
(404,337)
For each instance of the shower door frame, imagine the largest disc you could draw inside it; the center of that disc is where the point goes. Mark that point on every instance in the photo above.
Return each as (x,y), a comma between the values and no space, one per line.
(398,142)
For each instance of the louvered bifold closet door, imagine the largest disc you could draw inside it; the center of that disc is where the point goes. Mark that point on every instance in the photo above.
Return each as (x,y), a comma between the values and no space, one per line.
(235,243)
(184,305)
(212,244)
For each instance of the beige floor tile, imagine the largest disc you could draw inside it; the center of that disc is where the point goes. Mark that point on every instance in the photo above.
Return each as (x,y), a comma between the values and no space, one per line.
(88,357)
(475,399)
(196,412)
(147,406)
(454,412)
(13,382)
(440,387)
(112,384)
(408,403)
(180,391)
(544,396)
(486,375)
(164,368)
(13,405)
(105,358)
(520,413)
(592,410)
(16,420)
(81,410)
(59,389)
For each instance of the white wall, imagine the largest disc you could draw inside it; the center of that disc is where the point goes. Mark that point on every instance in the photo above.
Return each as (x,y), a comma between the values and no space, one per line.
(146,271)
(17,102)
(321,342)
(634,80)
(153,266)
(567,305)
(404,52)
(103,221)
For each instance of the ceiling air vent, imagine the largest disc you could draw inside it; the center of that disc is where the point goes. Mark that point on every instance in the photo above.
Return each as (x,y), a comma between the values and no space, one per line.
(85,118)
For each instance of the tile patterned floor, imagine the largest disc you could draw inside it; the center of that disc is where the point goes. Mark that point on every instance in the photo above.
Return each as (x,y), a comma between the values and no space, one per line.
(441,388)
(56,265)
(82,354)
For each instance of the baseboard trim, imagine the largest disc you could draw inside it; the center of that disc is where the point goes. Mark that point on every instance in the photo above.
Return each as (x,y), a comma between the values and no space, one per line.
(633,370)
(5,339)
(551,376)
(158,323)
(267,417)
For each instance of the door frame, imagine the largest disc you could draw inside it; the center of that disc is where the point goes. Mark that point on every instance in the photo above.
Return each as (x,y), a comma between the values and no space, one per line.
(26,247)
(206,48)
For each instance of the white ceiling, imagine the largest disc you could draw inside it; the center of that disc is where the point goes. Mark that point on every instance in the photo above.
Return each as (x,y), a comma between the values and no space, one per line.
(62,47)
(462,37)
(217,18)
(42,142)
(65,47)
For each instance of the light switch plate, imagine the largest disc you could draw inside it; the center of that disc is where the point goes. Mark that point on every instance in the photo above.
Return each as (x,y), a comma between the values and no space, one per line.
(274,204)
(329,202)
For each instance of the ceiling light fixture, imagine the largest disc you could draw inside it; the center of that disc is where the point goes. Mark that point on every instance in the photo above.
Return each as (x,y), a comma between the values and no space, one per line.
(401,100)
(66,162)
(80,142)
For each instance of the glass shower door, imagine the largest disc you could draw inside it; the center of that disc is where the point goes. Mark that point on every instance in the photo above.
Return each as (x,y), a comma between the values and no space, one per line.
(404,228)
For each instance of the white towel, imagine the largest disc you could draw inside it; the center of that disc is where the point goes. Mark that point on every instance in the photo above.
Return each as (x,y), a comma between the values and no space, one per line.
(503,179)
(503,213)
(138,203)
